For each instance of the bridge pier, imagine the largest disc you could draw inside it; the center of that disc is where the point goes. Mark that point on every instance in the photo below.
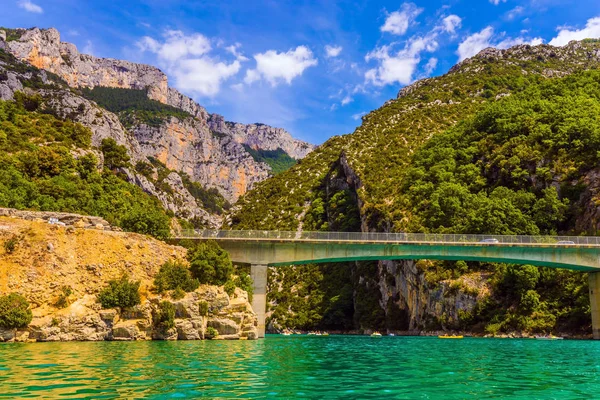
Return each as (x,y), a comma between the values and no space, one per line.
(258,272)
(594,284)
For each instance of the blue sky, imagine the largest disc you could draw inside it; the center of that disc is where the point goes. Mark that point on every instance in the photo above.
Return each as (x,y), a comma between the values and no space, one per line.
(311,67)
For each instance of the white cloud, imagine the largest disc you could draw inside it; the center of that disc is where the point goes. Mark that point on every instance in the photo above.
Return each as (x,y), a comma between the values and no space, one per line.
(359,115)
(203,75)
(275,67)
(450,23)
(565,35)
(398,22)
(347,100)
(476,42)
(233,49)
(430,66)
(496,2)
(176,45)
(515,12)
(186,58)
(28,6)
(398,67)
(333,51)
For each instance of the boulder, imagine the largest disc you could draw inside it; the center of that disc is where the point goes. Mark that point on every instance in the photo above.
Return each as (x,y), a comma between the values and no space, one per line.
(224,326)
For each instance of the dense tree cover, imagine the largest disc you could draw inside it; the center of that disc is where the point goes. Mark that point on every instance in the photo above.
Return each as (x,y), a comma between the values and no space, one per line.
(174,275)
(526,178)
(38,171)
(121,293)
(133,105)
(278,160)
(515,168)
(209,263)
(14,311)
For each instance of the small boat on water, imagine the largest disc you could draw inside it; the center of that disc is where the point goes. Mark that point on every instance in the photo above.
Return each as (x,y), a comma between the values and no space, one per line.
(551,337)
(375,334)
(450,336)
(285,333)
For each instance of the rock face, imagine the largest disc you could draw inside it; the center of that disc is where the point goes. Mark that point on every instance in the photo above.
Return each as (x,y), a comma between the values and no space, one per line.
(260,136)
(43,48)
(213,160)
(204,146)
(48,258)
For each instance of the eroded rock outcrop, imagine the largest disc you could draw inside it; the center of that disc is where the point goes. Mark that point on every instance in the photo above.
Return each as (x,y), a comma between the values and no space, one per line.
(47,258)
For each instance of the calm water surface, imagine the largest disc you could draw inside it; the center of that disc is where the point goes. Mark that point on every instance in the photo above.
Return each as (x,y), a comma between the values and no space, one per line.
(304,367)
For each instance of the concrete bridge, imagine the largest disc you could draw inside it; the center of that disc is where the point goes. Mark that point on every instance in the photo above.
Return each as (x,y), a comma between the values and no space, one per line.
(261,249)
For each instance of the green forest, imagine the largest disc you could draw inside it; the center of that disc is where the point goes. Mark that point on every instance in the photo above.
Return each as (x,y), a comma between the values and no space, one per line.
(132,105)
(38,170)
(278,160)
(486,148)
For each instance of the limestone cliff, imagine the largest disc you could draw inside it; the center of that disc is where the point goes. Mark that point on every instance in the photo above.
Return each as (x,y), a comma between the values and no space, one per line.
(83,255)
(206,147)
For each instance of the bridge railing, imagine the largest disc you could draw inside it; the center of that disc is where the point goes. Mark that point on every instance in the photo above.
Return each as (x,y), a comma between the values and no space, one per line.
(399,237)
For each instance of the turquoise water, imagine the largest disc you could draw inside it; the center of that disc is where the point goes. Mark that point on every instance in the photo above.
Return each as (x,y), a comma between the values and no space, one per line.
(304,367)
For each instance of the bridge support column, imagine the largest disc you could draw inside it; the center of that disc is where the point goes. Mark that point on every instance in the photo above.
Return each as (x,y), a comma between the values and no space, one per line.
(258,273)
(594,283)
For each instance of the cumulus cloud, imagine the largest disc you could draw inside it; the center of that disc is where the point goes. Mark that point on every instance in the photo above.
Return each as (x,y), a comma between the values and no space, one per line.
(347,100)
(476,42)
(333,51)
(186,58)
(398,22)
(401,65)
(496,2)
(451,23)
(29,6)
(565,35)
(275,67)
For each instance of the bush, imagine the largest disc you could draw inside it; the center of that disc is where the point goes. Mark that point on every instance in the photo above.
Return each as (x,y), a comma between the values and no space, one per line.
(203,308)
(14,311)
(177,294)
(244,282)
(150,222)
(11,244)
(209,263)
(229,287)
(164,317)
(63,298)
(120,293)
(174,275)
(211,333)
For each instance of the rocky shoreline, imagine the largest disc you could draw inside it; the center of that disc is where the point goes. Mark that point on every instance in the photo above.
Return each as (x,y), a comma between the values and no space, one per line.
(60,262)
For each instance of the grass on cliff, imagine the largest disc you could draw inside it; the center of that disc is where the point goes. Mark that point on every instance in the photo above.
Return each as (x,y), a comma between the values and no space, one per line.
(39,171)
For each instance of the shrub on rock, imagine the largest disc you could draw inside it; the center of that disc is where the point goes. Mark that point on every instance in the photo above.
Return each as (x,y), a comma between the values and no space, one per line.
(14,311)
(121,293)
(174,275)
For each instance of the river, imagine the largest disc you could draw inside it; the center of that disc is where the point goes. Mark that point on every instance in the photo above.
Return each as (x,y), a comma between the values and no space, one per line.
(304,367)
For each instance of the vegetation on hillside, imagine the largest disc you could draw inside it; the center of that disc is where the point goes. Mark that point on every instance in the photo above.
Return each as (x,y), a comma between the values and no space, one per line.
(121,293)
(133,105)
(278,160)
(516,167)
(38,171)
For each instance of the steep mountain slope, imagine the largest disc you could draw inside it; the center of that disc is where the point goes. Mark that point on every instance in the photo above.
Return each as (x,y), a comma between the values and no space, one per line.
(192,145)
(360,182)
